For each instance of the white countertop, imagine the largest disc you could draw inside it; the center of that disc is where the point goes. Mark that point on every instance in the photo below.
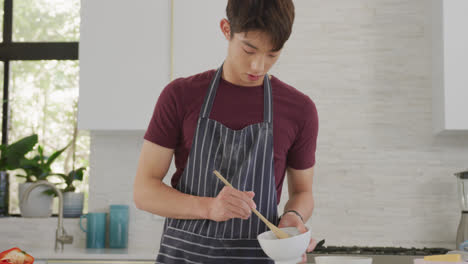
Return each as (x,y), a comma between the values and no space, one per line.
(101,254)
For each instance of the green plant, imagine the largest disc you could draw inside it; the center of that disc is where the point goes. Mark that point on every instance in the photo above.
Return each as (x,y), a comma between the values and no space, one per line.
(12,155)
(70,178)
(75,174)
(38,167)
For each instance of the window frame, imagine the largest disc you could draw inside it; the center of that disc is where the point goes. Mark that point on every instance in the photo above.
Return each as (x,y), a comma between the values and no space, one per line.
(25,51)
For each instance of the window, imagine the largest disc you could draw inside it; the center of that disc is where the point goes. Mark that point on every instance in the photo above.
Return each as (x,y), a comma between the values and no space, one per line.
(40,70)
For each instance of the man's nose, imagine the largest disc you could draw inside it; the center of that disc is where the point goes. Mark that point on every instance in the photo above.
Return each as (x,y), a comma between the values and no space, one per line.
(258,64)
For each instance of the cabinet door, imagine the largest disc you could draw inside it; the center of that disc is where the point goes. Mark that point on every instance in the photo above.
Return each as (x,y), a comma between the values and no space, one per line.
(124,62)
(450,65)
(199,44)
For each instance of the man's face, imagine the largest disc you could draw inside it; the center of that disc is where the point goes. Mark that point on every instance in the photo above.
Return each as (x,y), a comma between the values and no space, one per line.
(250,57)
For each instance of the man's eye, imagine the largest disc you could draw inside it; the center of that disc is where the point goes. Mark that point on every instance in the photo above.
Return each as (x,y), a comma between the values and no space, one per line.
(272,56)
(249,52)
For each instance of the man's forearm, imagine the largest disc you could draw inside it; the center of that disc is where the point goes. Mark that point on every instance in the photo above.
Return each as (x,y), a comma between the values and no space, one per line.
(302,202)
(158,198)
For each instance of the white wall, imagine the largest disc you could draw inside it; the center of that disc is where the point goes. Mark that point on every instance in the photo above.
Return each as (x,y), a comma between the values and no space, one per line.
(382,178)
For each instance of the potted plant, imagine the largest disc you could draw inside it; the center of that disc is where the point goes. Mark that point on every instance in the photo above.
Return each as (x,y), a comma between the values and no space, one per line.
(10,158)
(37,168)
(72,201)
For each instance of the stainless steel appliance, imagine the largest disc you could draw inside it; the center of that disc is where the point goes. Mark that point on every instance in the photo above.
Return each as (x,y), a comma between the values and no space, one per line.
(462,182)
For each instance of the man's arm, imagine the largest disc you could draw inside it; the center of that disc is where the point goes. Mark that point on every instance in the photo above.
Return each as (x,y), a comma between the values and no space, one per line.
(152,195)
(301,198)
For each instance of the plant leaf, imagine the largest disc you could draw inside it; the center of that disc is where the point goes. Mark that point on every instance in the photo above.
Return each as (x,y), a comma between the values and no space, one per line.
(55,155)
(77,174)
(40,149)
(50,192)
(15,152)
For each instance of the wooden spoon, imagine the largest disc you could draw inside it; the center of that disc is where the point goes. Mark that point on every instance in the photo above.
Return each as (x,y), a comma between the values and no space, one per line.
(278,232)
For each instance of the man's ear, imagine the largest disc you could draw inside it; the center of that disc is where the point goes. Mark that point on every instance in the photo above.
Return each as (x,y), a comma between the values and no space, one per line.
(225,28)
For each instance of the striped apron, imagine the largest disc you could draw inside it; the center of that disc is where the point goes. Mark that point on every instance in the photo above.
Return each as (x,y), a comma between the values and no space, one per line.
(245,158)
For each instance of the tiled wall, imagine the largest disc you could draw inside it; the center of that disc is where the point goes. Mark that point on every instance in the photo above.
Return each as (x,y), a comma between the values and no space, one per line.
(382,178)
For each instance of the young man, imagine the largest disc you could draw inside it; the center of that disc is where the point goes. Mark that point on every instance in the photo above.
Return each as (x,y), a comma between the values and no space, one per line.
(242,122)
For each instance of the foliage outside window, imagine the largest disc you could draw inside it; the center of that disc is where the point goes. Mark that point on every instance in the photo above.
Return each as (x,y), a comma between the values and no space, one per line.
(43,94)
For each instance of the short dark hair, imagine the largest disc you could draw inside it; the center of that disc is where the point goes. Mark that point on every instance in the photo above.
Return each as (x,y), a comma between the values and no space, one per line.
(274,17)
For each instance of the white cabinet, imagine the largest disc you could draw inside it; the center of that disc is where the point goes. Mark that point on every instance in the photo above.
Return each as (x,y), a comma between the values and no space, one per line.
(124,57)
(199,44)
(450,65)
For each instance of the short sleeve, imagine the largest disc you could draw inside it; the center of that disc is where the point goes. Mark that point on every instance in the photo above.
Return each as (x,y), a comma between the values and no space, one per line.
(301,155)
(164,128)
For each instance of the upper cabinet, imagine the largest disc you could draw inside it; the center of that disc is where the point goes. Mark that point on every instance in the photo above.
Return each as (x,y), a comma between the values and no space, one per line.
(127,56)
(198,45)
(124,62)
(450,65)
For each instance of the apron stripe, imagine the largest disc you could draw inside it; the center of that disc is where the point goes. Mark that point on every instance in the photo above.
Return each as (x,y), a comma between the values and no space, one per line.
(211,256)
(193,150)
(212,247)
(211,94)
(273,201)
(206,178)
(253,185)
(242,222)
(210,181)
(270,186)
(228,175)
(250,180)
(184,259)
(173,230)
(263,174)
(209,155)
(199,174)
(239,176)
(217,182)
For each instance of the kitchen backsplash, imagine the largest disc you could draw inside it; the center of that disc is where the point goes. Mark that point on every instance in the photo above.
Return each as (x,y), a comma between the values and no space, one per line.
(382,178)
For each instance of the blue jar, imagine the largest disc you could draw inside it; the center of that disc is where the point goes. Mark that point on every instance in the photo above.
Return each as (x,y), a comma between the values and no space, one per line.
(118,226)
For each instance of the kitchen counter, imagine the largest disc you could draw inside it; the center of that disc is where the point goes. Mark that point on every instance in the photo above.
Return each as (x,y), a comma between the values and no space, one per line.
(95,254)
(376,259)
(403,256)
(380,250)
(118,258)
(380,255)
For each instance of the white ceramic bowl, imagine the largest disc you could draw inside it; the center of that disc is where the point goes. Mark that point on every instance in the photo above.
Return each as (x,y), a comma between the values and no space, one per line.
(342,260)
(286,250)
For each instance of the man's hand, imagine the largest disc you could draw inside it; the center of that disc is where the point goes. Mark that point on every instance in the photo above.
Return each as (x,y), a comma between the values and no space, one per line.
(231,203)
(292,220)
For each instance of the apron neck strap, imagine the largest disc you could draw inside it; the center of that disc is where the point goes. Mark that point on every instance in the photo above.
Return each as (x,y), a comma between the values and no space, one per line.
(267,97)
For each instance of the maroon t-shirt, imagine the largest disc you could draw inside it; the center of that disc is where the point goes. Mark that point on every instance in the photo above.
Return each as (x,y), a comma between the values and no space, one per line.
(295,120)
